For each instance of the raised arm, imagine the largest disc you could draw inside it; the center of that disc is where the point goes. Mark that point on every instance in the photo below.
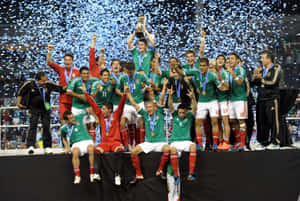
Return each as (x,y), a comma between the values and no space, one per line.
(170,99)
(202,44)
(92,102)
(130,39)
(194,101)
(49,57)
(130,98)
(163,92)
(120,108)
(151,40)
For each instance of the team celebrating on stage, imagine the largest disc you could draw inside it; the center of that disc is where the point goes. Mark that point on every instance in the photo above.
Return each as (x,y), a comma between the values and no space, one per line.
(129,100)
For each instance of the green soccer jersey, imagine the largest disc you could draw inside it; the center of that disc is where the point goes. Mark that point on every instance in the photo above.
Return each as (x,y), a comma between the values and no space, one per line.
(142,62)
(208,92)
(157,121)
(223,95)
(181,127)
(165,74)
(104,94)
(77,132)
(188,67)
(238,92)
(135,84)
(75,86)
(115,97)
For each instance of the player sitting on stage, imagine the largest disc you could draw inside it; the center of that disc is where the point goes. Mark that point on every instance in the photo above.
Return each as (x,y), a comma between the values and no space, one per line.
(110,127)
(181,134)
(155,136)
(81,143)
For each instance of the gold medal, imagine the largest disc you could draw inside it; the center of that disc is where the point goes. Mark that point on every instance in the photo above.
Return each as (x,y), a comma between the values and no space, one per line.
(179,99)
(203,93)
(262,85)
(152,134)
(107,133)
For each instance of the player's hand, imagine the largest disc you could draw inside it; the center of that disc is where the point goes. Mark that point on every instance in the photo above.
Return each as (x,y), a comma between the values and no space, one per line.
(190,94)
(99,87)
(203,33)
(151,82)
(170,91)
(113,81)
(50,47)
(102,49)
(126,89)
(20,106)
(142,72)
(94,37)
(165,81)
(229,69)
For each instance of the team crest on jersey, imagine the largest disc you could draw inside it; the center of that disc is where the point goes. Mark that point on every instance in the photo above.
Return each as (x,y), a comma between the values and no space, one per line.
(77,123)
(108,88)
(137,81)
(180,123)
(157,117)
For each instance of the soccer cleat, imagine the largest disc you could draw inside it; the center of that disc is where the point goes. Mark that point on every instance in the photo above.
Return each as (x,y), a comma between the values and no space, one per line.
(273,147)
(176,180)
(214,147)
(139,177)
(48,150)
(95,177)
(190,177)
(199,147)
(236,146)
(224,146)
(259,147)
(77,180)
(118,180)
(31,150)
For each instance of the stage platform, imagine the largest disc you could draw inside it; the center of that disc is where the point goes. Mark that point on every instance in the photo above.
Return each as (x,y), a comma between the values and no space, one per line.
(221,176)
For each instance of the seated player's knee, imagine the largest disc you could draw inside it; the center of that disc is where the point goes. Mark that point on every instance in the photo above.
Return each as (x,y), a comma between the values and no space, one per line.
(166,148)
(173,150)
(91,149)
(76,152)
(193,148)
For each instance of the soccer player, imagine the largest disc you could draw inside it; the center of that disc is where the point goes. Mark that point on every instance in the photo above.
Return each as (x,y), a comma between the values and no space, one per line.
(110,127)
(102,90)
(96,64)
(222,97)
(190,55)
(142,56)
(181,134)
(207,100)
(155,133)
(238,110)
(65,75)
(135,81)
(115,78)
(81,143)
(80,104)
(154,78)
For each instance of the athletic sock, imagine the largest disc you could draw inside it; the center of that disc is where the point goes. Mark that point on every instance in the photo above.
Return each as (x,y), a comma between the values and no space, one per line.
(242,136)
(77,172)
(92,169)
(192,162)
(236,133)
(136,164)
(124,135)
(199,139)
(164,159)
(215,137)
(174,163)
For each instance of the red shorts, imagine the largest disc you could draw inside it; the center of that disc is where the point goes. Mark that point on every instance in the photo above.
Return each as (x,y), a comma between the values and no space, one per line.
(109,146)
(64,107)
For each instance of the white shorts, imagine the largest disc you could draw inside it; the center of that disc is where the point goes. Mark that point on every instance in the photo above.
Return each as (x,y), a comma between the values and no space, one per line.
(82,145)
(152,146)
(131,114)
(238,110)
(77,111)
(182,145)
(224,108)
(211,107)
